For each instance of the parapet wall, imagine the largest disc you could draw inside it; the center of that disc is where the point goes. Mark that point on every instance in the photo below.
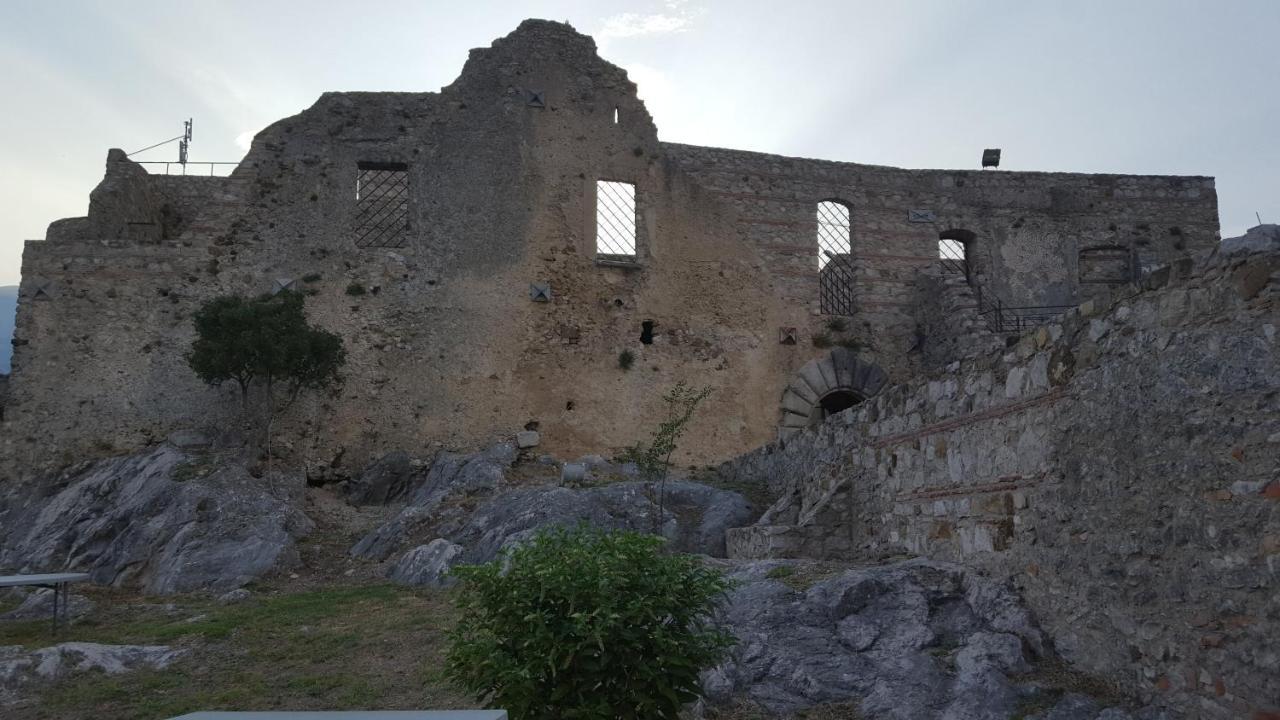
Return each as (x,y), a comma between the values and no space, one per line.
(1121,468)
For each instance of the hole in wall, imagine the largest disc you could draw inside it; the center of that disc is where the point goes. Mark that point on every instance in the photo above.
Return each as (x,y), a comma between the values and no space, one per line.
(646,332)
(838,400)
(615,116)
(569,405)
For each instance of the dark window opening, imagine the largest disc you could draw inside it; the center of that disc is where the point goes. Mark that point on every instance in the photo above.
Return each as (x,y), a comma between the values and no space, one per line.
(382,205)
(646,332)
(838,400)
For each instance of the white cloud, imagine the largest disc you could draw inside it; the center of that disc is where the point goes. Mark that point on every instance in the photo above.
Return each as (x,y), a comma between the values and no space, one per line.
(245,139)
(633,24)
(678,18)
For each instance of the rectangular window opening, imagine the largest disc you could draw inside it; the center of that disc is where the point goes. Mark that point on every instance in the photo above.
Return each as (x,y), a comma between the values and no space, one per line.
(382,205)
(615,220)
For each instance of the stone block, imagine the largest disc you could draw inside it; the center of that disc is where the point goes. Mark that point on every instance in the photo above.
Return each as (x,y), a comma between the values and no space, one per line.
(527,439)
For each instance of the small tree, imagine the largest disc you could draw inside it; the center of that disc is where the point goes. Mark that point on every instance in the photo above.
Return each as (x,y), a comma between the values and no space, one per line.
(586,625)
(654,459)
(264,340)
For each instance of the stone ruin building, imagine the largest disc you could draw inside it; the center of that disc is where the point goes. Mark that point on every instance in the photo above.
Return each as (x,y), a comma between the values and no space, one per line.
(1057,378)
(515,232)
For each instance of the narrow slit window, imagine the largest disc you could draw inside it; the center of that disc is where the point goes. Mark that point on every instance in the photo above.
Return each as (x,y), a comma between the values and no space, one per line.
(835,259)
(615,220)
(382,205)
(615,116)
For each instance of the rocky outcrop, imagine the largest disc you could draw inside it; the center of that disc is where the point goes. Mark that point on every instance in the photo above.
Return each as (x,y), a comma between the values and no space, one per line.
(468,502)
(385,480)
(38,605)
(163,520)
(908,640)
(20,667)
(427,565)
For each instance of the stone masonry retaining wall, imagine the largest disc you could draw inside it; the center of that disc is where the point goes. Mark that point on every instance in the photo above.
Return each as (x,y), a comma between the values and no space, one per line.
(1120,468)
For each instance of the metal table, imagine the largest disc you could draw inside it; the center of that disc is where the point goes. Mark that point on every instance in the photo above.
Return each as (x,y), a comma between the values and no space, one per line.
(58,582)
(355,715)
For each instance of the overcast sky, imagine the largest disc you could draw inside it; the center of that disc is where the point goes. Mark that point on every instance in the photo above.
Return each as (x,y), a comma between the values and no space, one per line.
(1135,86)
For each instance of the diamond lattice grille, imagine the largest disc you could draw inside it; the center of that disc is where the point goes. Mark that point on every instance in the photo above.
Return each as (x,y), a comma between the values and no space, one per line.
(615,219)
(382,205)
(954,256)
(835,260)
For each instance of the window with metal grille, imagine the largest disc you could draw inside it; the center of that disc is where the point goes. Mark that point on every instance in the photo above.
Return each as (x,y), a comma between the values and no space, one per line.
(615,220)
(835,259)
(954,255)
(382,205)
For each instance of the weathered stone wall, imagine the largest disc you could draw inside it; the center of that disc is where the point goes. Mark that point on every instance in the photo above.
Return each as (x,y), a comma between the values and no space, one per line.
(445,345)
(1122,468)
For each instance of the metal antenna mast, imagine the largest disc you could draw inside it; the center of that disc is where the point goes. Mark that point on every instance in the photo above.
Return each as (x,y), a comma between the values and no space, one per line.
(183,140)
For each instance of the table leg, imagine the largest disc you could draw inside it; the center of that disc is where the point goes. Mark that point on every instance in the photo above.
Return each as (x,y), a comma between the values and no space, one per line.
(57,594)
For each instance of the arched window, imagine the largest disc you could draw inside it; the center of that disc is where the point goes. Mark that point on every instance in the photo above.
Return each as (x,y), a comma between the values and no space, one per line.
(835,259)
(953,250)
(833,231)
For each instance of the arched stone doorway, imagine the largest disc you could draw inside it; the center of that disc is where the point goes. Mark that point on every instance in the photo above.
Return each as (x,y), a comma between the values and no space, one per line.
(834,382)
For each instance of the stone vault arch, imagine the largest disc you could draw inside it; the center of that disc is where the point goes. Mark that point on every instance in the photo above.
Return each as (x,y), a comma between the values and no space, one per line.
(826,385)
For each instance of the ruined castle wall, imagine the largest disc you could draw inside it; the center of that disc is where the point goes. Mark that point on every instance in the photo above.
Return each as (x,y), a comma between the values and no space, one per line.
(445,345)
(1121,468)
(1028,228)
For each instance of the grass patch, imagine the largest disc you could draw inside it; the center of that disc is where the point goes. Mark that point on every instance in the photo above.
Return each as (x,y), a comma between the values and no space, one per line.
(1056,679)
(804,575)
(334,648)
(747,710)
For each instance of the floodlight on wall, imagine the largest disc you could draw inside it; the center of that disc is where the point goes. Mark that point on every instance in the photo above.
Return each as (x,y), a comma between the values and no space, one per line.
(991,158)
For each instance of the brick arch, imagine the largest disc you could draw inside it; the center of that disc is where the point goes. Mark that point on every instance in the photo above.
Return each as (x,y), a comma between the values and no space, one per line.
(838,372)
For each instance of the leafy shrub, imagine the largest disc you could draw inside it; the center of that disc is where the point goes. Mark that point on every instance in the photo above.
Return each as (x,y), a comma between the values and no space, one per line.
(585,625)
(266,339)
(626,359)
(355,289)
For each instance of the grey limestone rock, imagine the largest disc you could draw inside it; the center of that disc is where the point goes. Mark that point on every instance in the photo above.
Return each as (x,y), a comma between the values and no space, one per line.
(1260,238)
(384,480)
(426,565)
(141,521)
(907,640)
(38,605)
(19,666)
(694,516)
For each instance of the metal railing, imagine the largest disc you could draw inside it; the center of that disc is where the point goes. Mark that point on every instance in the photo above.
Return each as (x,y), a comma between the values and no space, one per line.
(182,167)
(999,316)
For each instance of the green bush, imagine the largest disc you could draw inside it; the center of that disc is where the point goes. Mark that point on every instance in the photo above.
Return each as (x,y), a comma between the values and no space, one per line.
(587,625)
